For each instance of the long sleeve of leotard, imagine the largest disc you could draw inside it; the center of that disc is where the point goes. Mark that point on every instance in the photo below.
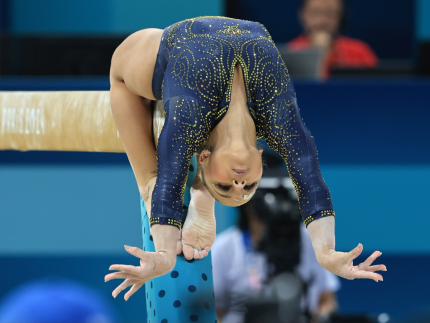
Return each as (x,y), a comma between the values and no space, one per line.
(187,124)
(286,133)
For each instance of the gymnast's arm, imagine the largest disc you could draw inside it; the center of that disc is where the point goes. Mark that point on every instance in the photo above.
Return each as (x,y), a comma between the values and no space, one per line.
(287,134)
(133,118)
(186,126)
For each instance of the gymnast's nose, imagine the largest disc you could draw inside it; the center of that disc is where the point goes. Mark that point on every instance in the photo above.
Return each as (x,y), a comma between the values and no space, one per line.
(239,184)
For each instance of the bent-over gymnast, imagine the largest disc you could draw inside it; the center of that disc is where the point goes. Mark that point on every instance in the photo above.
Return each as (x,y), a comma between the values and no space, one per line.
(223,85)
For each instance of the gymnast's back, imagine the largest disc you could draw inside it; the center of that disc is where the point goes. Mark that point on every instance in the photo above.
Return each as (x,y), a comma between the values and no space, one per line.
(134,61)
(190,66)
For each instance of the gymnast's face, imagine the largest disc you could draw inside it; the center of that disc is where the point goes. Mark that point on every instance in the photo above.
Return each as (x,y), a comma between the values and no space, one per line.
(232,177)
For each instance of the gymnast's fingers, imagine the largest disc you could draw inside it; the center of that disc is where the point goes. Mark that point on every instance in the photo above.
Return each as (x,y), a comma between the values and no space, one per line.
(204,253)
(132,290)
(119,275)
(135,251)
(367,275)
(122,286)
(354,253)
(371,259)
(126,268)
(207,248)
(377,268)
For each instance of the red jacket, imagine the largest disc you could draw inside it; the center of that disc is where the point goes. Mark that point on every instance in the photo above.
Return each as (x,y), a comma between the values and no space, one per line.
(345,52)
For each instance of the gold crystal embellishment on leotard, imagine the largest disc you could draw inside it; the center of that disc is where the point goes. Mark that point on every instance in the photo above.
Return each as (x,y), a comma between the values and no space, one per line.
(232,31)
(157,220)
(203,54)
(310,218)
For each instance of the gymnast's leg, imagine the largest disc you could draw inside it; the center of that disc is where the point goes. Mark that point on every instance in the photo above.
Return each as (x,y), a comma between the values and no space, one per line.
(186,294)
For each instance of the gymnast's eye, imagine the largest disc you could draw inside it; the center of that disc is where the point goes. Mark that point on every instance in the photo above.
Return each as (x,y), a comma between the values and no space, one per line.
(250,187)
(223,188)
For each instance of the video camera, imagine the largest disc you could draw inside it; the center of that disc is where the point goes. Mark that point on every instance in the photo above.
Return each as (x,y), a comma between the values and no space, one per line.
(275,203)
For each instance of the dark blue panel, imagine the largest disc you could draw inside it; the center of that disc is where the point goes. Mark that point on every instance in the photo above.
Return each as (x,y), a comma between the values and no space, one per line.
(388,26)
(403,292)
(4,15)
(371,122)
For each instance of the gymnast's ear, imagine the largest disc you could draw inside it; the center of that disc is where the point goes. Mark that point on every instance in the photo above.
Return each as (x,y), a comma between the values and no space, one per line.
(204,156)
(260,150)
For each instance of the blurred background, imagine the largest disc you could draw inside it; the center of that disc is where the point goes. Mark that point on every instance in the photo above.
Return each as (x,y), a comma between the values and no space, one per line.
(361,71)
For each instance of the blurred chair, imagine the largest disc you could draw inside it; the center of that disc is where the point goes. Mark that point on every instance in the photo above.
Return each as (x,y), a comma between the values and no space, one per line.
(303,64)
(423,61)
(56,300)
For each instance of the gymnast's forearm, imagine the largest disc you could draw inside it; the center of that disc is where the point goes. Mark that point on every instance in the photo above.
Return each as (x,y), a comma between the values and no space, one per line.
(133,118)
(322,236)
(165,242)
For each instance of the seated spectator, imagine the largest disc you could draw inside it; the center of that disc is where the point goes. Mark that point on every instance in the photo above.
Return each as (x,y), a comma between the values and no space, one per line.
(266,244)
(322,21)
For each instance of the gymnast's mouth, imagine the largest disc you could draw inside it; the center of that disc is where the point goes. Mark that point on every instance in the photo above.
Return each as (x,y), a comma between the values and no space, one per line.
(240,172)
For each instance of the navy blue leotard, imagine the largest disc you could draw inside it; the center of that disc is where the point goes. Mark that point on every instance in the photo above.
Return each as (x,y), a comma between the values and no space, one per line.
(193,76)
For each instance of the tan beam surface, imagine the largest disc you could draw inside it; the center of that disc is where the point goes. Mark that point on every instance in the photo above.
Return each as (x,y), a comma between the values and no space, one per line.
(66,121)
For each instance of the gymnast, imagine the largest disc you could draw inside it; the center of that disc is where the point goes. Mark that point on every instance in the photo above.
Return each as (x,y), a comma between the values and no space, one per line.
(223,85)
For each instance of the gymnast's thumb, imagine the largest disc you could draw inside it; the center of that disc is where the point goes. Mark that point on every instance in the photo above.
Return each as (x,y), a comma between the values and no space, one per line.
(354,253)
(133,250)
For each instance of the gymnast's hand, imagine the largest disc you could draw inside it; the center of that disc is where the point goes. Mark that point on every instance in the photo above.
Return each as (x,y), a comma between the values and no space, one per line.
(152,264)
(341,264)
(199,231)
(321,232)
